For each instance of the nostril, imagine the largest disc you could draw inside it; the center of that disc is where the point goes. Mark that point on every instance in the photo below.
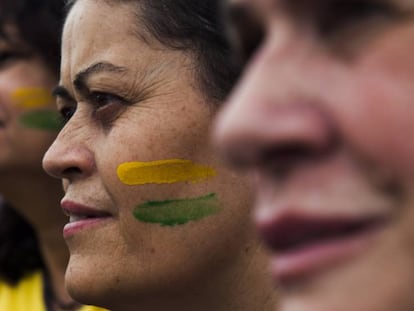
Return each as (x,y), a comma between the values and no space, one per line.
(275,137)
(290,151)
(71,171)
(67,163)
(282,151)
(280,155)
(280,160)
(67,159)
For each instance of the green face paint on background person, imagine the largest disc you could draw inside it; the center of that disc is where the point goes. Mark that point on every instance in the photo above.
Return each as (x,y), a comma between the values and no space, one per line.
(33,254)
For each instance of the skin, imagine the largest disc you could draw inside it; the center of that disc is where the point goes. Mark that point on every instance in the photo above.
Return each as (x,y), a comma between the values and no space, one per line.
(149,111)
(23,147)
(348,94)
(21,152)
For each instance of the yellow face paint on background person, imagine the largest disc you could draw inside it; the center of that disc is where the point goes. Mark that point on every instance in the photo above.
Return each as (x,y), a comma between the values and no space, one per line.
(33,255)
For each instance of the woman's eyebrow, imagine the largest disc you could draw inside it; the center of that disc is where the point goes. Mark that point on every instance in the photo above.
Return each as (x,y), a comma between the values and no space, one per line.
(62,92)
(81,77)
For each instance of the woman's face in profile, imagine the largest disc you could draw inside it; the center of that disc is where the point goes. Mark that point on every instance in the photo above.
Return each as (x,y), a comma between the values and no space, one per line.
(28,120)
(150,207)
(324,119)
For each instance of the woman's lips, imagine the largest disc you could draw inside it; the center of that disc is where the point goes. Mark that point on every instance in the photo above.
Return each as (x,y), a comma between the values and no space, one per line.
(82,217)
(306,244)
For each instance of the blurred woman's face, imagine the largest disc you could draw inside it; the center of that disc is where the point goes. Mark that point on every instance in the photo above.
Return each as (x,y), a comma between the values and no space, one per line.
(28,121)
(324,118)
(151,209)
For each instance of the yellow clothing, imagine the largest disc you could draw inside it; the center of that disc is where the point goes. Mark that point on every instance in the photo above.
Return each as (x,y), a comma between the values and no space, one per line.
(27,295)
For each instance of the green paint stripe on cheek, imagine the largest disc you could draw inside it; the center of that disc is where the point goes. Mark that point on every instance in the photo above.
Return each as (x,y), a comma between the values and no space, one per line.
(177,212)
(46,120)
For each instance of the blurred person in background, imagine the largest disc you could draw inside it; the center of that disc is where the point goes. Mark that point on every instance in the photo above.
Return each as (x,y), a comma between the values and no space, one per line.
(323,119)
(33,255)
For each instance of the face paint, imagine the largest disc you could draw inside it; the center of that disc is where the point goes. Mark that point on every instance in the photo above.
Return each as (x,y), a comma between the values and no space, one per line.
(47,120)
(163,172)
(177,212)
(30,98)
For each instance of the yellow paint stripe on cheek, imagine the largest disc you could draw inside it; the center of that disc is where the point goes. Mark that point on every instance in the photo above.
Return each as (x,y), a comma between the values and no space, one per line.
(163,172)
(32,97)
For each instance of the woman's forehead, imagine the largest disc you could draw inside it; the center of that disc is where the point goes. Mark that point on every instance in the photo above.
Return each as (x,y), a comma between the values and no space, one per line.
(91,24)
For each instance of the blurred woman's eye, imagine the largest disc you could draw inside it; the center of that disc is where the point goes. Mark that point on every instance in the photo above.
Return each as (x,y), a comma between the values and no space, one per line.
(8,56)
(337,16)
(106,106)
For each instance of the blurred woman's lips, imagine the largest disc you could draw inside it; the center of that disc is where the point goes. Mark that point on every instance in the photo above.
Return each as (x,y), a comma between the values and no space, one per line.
(306,244)
(82,217)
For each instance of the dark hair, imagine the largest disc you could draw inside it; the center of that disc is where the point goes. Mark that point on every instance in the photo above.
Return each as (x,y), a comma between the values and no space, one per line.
(19,251)
(194,26)
(38,25)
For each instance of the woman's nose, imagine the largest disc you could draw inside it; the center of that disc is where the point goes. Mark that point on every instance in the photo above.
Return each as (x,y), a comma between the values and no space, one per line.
(70,156)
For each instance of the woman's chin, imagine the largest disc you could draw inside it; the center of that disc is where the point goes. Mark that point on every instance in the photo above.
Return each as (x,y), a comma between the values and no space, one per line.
(84,284)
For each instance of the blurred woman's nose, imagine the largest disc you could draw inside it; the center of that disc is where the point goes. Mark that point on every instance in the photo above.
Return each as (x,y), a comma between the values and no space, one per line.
(271,133)
(70,156)
(273,120)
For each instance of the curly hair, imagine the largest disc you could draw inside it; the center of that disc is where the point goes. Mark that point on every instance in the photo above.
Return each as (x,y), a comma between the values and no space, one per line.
(38,24)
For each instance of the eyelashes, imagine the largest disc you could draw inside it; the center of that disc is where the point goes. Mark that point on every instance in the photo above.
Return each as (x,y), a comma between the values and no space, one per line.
(101,99)
(105,107)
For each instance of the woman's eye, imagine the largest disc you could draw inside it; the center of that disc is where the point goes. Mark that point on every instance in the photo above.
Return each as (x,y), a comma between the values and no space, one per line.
(100,99)
(106,106)
(338,15)
(66,113)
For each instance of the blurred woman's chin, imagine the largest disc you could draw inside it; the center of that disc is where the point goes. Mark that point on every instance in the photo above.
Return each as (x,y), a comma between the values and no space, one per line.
(365,284)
